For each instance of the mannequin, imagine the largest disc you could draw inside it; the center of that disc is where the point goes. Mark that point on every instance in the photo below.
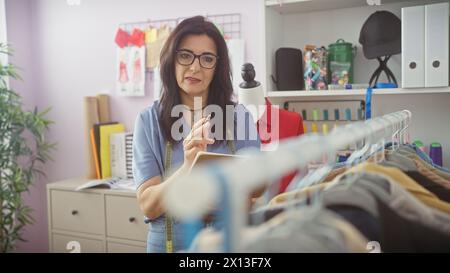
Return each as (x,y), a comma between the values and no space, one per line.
(274,124)
(251,94)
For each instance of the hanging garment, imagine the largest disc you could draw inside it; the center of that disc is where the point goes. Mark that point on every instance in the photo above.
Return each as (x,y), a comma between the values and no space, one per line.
(401,178)
(413,165)
(430,174)
(415,153)
(397,198)
(297,194)
(362,220)
(440,191)
(307,230)
(392,229)
(359,195)
(403,235)
(403,224)
(137,38)
(155,46)
(122,38)
(290,124)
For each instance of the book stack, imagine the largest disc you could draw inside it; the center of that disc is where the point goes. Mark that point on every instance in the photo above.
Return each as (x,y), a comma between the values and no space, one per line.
(101,134)
(110,148)
(121,155)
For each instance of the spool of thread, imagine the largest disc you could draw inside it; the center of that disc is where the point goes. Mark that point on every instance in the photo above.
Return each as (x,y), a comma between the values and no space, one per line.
(304,116)
(314,127)
(315,114)
(360,114)
(336,114)
(419,144)
(315,118)
(348,114)
(336,118)
(325,114)
(436,153)
(324,128)
(325,125)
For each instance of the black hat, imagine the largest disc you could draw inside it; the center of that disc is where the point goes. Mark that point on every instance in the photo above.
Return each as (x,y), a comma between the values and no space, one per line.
(381,35)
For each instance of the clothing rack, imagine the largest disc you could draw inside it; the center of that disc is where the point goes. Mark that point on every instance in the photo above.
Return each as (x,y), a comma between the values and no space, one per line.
(187,197)
(150,23)
(230,23)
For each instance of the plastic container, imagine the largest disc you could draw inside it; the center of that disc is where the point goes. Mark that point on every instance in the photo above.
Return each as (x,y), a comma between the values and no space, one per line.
(340,62)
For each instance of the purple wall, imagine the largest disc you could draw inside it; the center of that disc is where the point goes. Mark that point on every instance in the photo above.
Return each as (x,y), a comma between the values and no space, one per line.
(68,52)
(21,32)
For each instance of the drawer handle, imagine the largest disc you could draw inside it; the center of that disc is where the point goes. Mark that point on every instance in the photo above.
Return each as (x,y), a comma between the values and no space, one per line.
(74,212)
(131,219)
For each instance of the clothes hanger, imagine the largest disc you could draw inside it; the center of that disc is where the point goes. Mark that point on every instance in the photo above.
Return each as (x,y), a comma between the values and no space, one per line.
(394,131)
(357,156)
(319,174)
(404,132)
(360,155)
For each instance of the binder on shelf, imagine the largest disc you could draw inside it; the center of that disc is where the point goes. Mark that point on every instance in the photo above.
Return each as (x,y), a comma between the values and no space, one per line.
(121,146)
(105,159)
(413,47)
(425,46)
(95,154)
(436,45)
(96,129)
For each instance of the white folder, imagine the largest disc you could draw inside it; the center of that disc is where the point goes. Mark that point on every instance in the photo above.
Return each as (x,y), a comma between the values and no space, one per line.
(413,45)
(436,45)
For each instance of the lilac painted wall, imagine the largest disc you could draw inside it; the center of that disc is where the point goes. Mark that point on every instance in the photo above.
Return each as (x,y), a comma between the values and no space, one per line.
(68,52)
(21,37)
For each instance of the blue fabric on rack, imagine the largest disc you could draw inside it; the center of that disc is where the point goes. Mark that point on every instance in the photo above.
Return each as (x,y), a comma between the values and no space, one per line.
(224,213)
(427,158)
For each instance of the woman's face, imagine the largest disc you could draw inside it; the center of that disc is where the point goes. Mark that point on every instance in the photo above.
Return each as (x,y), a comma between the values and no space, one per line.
(193,79)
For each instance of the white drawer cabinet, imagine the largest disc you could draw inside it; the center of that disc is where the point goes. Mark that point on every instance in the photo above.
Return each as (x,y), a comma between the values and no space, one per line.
(77,211)
(69,243)
(114,247)
(124,219)
(94,220)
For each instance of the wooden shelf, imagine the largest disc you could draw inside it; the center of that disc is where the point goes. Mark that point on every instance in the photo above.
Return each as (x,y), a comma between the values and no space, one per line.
(300,6)
(357,92)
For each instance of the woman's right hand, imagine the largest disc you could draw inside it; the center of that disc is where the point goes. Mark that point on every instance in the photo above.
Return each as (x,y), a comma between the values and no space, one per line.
(196,141)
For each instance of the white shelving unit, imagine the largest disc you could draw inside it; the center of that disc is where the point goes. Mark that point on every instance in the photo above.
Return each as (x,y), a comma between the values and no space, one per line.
(303,6)
(296,23)
(355,92)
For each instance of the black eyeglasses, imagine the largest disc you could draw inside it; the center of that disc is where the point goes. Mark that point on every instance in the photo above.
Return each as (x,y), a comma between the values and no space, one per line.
(187,57)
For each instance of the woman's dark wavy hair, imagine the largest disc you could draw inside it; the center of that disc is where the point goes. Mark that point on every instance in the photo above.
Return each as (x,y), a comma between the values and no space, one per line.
(220,89)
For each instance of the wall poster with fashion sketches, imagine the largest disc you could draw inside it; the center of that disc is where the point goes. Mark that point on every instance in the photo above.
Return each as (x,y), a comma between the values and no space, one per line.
(130,71)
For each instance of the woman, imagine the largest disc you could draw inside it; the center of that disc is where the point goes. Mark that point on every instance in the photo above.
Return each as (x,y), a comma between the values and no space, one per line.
(194,65)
